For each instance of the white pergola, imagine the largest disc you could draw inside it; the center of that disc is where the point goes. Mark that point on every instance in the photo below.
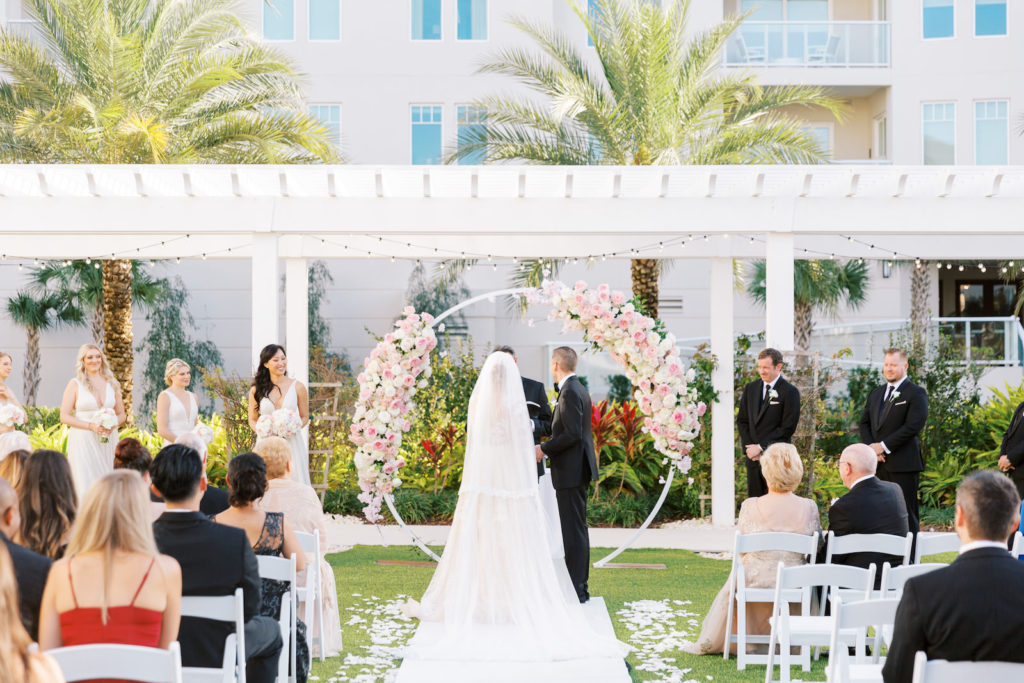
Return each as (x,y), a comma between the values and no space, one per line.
(505,213)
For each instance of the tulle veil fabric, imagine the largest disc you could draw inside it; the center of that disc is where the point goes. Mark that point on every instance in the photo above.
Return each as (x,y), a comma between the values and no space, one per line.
(497,591)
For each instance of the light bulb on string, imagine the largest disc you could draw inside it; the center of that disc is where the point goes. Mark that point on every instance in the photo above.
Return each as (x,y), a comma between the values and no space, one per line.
(961,269)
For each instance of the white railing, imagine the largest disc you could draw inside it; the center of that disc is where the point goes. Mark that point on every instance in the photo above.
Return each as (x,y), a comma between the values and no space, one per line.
(810,43)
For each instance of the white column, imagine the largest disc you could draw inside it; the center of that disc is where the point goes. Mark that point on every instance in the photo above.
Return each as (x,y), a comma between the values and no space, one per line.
(266,279)
(723,458)
(296,311)
(779,291)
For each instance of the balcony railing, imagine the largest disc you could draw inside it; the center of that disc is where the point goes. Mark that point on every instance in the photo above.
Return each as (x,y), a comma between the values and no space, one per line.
(809,43)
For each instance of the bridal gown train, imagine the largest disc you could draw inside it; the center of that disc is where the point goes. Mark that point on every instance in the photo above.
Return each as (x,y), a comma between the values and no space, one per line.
(300,450)
(89,457)
(181,419)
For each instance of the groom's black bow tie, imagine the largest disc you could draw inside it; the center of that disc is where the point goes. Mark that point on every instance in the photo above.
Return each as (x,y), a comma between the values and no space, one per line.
(558,387)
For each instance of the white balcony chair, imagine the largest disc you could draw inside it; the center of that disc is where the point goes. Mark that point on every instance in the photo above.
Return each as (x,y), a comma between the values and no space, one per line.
(1018,540)
(935,544)
(894,578)
(228,608)
(940,671)
(132,662)
(808,630)
(856,618)
(824,54)
(742,594)
(281,569)
(312,593)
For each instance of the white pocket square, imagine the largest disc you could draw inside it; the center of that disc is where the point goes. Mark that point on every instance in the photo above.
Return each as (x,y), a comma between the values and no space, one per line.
(901,403)
(773,403)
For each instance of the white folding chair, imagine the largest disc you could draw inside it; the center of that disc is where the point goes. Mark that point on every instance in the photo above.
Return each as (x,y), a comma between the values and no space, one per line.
(887,544)
(312,593)
(742,594)
(132,662)
(228,608)
(940,671)
(933,544)
(894,578)
(1017,540)
(281,569)
(808,630)
(856,618)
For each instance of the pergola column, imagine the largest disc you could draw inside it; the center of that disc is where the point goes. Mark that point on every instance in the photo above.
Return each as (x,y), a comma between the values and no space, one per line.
(723,497)
(779,291)
(266,276)
(296,307)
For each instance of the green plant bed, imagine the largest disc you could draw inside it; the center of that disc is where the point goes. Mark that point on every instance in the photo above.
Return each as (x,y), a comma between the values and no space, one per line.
(936,519)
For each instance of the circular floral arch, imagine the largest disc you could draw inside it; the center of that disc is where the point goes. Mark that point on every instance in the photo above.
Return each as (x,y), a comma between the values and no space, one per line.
(400,365)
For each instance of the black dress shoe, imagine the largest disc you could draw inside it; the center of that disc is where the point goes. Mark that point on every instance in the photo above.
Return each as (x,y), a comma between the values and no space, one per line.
(584,599)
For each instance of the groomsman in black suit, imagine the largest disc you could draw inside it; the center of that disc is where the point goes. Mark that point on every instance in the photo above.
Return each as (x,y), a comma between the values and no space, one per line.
(537,404)
(1011,451)
(30,569)
(768,413)
(573,465)
(971,610)
(893,418)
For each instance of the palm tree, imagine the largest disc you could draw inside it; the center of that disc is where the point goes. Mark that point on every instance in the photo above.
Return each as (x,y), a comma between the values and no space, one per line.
(38,314)
(144,81)
(660,97)
(821,285)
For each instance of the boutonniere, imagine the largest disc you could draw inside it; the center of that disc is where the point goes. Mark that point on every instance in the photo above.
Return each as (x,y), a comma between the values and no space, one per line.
(893,396)
(772,393)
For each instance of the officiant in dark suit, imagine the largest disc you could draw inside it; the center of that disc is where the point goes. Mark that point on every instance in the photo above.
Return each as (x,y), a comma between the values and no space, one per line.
(537,404)
(768,413)
(891,424)
(1011,450)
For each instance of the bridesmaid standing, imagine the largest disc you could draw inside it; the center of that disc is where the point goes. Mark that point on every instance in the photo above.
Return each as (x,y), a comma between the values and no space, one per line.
(6,395)
(90,446)
(177,410)
(273,390)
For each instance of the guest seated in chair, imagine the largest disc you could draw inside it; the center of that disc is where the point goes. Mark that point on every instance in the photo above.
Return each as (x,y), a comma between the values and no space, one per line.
(48,503)
(30,569)
(18,659)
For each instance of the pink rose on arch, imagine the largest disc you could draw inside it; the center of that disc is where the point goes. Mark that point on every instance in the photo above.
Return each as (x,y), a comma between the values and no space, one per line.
(371,432)
(678,416)
(639,337)
(674,369)
(406,425)
(414,318)
(427,318)
(663,389)
(578,299)
(378,445)
(580,285)
(618,298)
(701,409)
(408,381)
(408,310)
(421,343)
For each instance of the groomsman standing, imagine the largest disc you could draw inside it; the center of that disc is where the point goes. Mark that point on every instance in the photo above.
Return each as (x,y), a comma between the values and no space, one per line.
(893,418)
(768,413)
(1011,451)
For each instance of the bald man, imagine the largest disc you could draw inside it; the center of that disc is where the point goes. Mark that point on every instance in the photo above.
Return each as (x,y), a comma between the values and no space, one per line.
(30,569)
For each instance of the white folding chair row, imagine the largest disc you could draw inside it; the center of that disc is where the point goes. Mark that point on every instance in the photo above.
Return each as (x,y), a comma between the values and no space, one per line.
(894,578)
(1017,547)
(132,662)
(857,618)
(741,594)
(227,608)
(312,593)
(940,671)
(933,544)
(281,569)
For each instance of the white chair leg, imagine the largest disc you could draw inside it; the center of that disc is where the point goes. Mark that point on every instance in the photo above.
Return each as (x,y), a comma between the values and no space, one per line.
(741,636)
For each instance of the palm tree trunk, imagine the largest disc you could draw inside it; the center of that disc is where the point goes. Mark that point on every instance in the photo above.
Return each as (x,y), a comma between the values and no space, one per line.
(117,325)
(920,288)
(97,324)
(31,379)
(803,322)
(644,272)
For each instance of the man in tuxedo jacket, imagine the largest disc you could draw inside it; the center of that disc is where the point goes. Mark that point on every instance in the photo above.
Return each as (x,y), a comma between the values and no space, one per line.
(891,425)
(215,560)
(768,413)
(1011,451)
(215,500)
(30,569)
(573,465)
(870,506)
(537,404)
(970,610)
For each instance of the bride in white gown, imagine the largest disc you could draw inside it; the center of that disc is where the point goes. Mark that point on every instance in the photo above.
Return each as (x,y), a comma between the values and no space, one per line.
(498,591)
(273,390)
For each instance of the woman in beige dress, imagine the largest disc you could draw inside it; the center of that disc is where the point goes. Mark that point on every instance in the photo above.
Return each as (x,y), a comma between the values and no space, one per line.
(778,510)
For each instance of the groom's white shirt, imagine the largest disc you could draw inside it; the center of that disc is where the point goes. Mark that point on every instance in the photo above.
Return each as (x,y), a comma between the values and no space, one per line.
(561,385)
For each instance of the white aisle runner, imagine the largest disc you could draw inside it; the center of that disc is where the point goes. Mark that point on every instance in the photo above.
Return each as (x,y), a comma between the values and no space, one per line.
(604,670)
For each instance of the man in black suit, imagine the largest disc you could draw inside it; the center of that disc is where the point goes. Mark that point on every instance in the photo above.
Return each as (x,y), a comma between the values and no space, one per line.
(536,403)
(970,610)
(1011,450)
(30,569)
(215,560)
(891,425)
(870,506)
(768,413)
(573,465)
(215,500)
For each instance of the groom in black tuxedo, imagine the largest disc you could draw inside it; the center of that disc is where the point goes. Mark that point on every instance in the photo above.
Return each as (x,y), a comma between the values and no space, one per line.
(537,404)
(1011,450)
(573,465)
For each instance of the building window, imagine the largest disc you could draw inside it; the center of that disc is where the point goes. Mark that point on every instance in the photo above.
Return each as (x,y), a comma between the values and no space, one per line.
(991,132)
(325,19)
(881,137)
(279,20)
(938,124)
(330,116)
(822,136)
(472,20)
(426,134)
(937,18)
(990,17)
(470,120)
(426,19)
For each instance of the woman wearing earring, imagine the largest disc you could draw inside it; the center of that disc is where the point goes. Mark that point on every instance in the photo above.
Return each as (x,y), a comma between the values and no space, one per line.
(177,410)
(7,396)
(273,390)
(93,409)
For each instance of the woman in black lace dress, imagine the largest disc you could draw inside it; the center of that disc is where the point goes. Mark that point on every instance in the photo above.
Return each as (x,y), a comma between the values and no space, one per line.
(269,534)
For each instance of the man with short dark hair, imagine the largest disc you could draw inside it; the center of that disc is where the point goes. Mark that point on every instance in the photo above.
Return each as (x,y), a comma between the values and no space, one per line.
(536,403)
(768,413)
(970,610)
(30,569)
(215,560)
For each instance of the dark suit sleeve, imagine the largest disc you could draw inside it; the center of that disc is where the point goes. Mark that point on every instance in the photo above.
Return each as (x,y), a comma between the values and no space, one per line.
(250,584)
(908,637)
(790,417)
(542,423)
(917,415)
(743,419)
(1013,451)
(865,422)
(570,416)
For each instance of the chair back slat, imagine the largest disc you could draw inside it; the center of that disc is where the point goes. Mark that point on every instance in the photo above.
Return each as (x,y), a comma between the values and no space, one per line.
(106,660)
(777,540)
(933,544)
(886,544)
(941,671)
(894,578)
(834,575)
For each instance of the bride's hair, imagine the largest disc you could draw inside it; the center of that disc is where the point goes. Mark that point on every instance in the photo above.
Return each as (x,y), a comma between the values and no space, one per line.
(105,370)
(261,382)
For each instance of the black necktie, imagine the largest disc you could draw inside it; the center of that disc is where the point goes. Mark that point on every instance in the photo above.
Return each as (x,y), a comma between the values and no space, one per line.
(888,392)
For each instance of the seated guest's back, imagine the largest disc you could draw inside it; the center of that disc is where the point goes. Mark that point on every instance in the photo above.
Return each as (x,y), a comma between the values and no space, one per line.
(17,660)
(112,586)
(972,610)
(46,497)
(215,560)
(30,569)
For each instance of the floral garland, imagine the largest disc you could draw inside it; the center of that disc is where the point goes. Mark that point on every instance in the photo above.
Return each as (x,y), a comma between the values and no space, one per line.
(648,355)
(396,368)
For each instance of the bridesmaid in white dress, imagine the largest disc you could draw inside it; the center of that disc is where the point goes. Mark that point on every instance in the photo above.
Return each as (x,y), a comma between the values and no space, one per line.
(273,390)
(6,395)
(177,410)
(93,389)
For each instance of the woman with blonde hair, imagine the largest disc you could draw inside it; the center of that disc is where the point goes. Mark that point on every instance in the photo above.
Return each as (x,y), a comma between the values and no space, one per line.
(92,408)
(17,660)
(778,510)
(177,410)
(7,396)
(14,449)
(113,586)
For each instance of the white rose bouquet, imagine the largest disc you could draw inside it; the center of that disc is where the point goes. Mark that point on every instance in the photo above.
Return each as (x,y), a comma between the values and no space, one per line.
(106,418)
(286,423)
(203,432)
(12,416)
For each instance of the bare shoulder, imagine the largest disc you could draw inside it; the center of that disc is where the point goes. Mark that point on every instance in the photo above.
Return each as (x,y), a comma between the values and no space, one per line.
(168,565)
(44,669)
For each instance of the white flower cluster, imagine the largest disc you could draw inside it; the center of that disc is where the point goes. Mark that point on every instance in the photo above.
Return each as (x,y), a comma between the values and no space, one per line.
(105,418)
(283,422)
(12,415)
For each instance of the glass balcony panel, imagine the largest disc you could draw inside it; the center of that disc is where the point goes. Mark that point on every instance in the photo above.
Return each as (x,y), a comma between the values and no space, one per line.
(809,43)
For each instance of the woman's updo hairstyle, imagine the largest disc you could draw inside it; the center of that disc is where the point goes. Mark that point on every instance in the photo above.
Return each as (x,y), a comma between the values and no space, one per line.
(130,454)
(247,479)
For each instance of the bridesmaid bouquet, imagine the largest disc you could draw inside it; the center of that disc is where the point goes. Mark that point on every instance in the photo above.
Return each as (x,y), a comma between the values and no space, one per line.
(283,422)
(204,432)
(12,416)
(107,419)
